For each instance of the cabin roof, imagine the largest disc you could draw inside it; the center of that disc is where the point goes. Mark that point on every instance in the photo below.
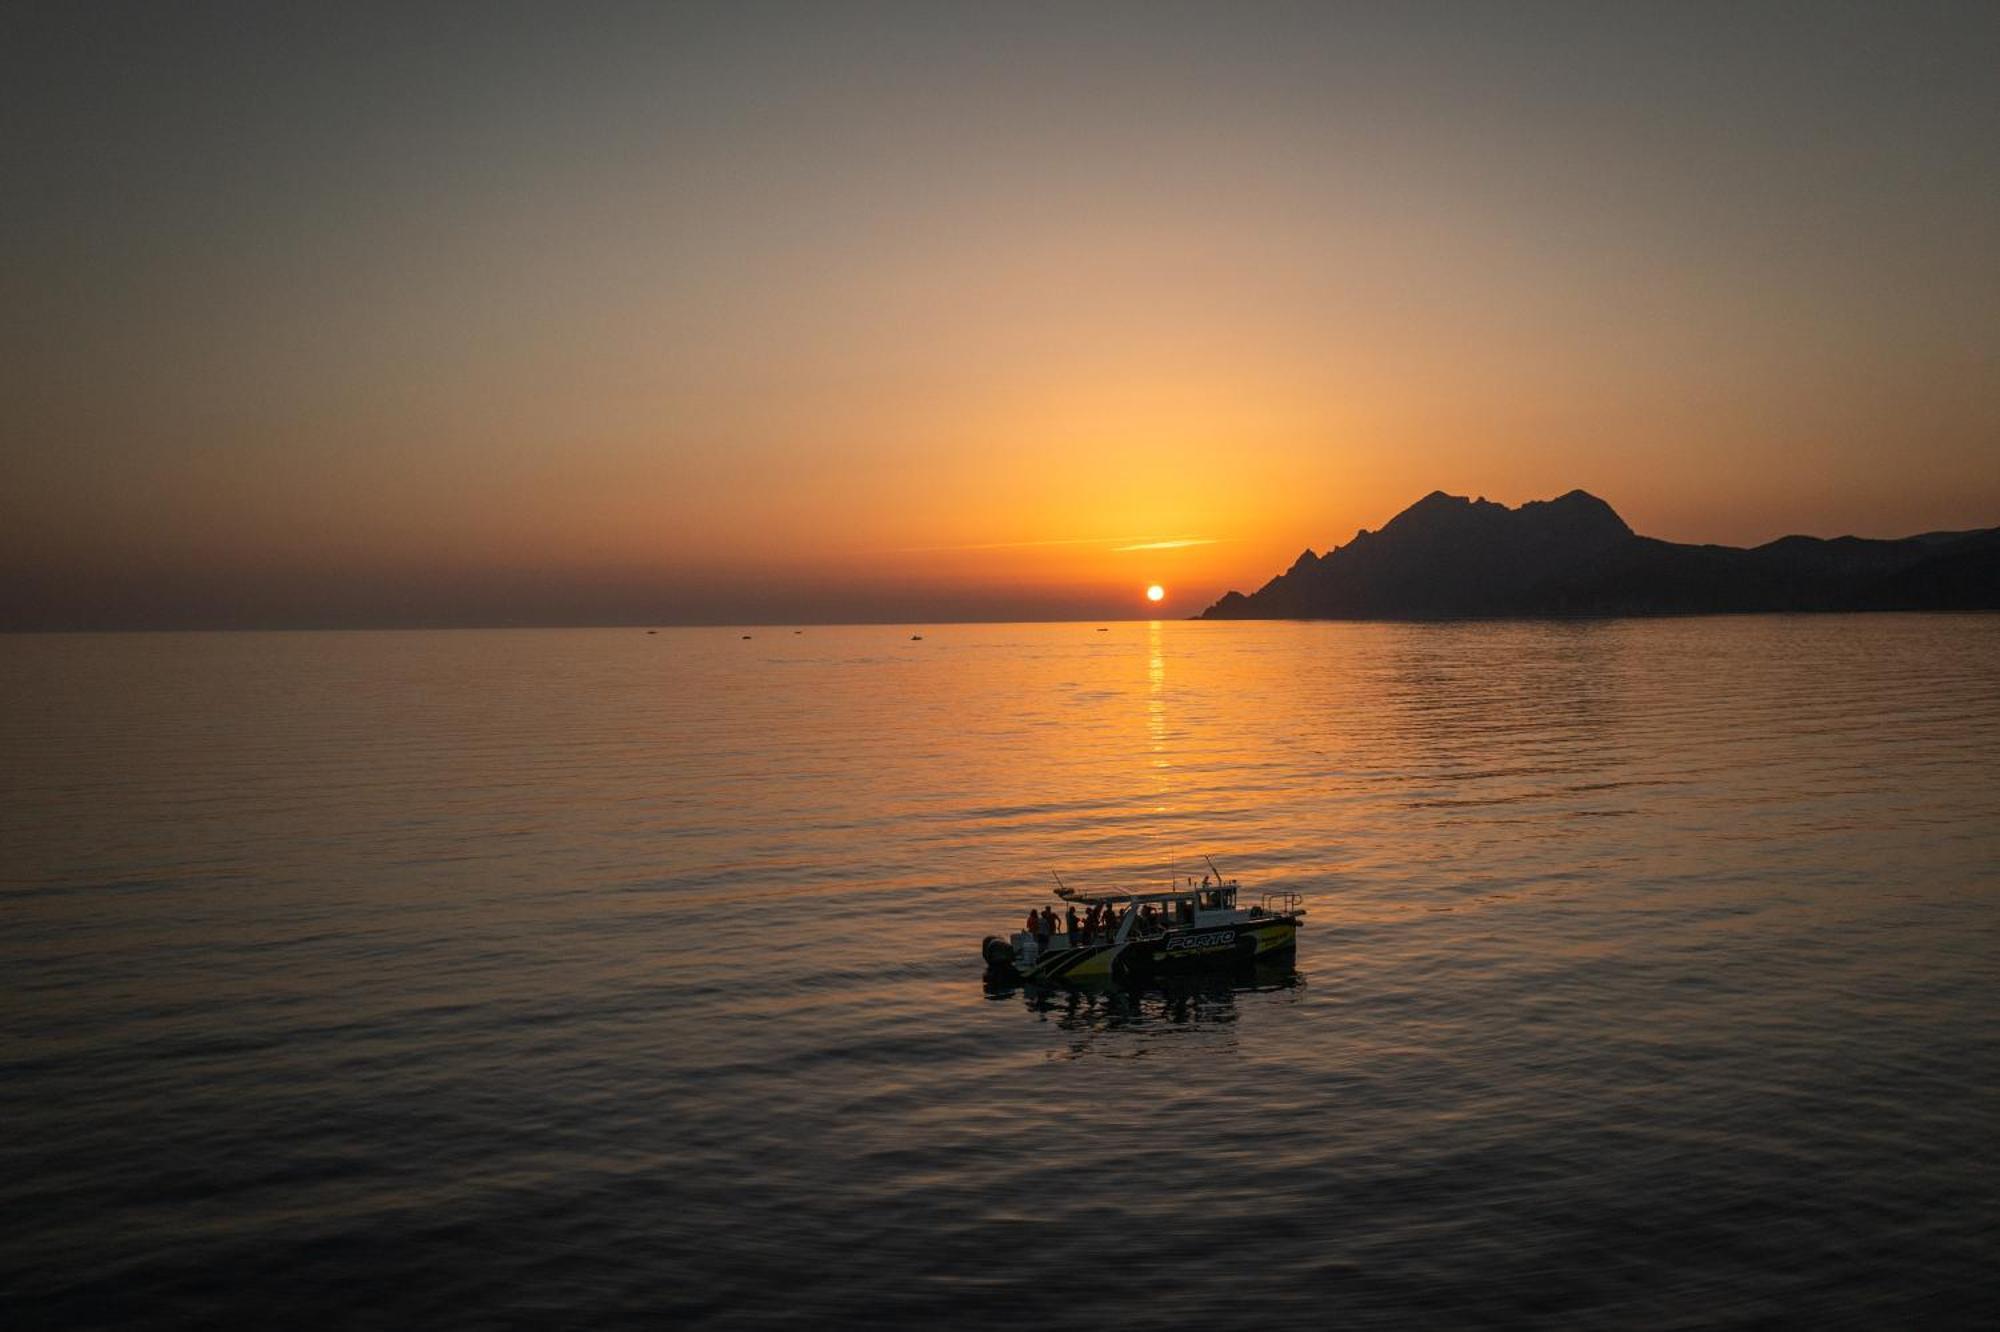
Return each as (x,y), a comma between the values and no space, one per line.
(1174,895)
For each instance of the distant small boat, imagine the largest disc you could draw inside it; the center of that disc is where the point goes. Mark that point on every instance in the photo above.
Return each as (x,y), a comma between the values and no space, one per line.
(916,638)
(746,638)
(652,631)
(1103,631)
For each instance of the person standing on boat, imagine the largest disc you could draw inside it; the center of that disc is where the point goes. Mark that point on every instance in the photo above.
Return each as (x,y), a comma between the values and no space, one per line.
(1075,927)
(1048,927)
(1034,922)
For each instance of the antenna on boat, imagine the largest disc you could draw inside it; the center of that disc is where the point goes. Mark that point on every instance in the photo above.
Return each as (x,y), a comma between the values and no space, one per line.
(1211,865)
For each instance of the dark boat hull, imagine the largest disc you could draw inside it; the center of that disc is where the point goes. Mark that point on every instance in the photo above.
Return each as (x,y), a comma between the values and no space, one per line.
(1194,947)
(1179,948)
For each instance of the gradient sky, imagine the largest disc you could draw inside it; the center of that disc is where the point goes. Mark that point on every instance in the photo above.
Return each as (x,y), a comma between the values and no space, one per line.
(565,314)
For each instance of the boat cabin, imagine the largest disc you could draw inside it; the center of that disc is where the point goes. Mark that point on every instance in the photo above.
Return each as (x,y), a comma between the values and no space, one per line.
(1214,905)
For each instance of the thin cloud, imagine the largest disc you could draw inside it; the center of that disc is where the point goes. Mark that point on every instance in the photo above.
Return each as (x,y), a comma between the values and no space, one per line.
(1010,545)
(1118,545)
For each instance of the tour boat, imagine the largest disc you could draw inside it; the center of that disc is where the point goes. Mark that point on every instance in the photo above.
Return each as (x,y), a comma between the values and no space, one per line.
(1196,925)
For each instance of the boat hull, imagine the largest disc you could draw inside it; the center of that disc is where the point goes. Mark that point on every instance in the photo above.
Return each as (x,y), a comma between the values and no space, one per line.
(1194,946)
(1180,948)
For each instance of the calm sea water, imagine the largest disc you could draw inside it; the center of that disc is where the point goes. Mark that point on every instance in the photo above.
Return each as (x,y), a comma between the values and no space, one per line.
(595,978)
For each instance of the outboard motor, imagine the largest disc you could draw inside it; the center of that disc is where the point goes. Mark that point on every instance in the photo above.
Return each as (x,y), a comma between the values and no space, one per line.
(999,954)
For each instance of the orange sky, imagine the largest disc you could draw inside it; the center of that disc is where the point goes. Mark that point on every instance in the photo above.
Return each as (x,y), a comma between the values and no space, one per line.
(800,315)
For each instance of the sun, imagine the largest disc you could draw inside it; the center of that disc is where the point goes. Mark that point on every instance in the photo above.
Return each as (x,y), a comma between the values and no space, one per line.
(1156,593)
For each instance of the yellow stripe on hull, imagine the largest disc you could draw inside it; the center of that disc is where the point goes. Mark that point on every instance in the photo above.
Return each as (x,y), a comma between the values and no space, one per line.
(1093,968)
(1271,938)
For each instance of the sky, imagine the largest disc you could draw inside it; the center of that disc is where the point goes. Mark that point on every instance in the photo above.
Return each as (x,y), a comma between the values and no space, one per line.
(570,314)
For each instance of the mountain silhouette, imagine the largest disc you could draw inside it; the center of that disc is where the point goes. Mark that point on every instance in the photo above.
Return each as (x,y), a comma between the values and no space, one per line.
(1447,556)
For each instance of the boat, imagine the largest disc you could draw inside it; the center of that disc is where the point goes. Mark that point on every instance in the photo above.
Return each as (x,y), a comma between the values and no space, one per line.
(1187,927)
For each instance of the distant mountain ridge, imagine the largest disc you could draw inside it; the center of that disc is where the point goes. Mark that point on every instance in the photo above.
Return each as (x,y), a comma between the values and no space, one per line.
(1449,557)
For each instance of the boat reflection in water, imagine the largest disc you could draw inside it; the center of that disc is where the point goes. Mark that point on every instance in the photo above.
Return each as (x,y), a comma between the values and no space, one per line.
(1207,1003)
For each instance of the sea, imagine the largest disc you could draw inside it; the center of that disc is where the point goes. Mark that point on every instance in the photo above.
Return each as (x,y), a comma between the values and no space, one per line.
(619,978)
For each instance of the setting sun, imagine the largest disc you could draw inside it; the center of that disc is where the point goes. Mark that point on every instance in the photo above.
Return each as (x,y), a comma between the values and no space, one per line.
(1156,593)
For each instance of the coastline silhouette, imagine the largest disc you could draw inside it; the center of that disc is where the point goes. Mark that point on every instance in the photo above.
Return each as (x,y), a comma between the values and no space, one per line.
(1450,557)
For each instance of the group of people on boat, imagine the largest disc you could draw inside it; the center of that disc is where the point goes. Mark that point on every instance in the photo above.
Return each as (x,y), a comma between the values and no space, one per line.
(1098,925)
(1043,925)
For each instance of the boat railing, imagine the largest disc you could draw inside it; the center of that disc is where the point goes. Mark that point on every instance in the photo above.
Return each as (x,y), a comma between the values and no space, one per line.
(1283,904)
